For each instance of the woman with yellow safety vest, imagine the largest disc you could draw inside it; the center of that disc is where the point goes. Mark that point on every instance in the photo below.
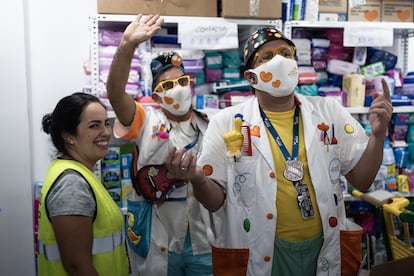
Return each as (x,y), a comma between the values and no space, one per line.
(81,229)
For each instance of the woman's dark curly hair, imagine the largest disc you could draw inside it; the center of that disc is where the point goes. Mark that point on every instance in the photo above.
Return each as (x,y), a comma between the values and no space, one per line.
(65,118)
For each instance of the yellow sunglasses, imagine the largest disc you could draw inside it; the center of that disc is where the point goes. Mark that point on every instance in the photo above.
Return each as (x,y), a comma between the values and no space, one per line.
(169,84)
(266,54)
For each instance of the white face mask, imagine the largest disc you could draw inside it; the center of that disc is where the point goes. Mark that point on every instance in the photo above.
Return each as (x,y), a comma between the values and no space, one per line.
(278,77)
(176,100)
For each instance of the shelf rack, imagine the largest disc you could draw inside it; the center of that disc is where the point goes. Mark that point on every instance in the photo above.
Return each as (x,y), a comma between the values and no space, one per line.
(402,32)
(118,22)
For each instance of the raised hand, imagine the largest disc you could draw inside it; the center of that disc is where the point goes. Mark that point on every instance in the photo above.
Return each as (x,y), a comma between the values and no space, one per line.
(142,28)
(234,138)
(380,111)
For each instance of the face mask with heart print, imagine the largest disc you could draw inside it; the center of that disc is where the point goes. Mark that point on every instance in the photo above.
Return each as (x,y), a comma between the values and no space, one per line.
(177,100)
(278,77)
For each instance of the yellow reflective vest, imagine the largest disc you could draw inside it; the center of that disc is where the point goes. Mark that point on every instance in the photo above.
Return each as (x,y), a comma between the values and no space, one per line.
(108,249)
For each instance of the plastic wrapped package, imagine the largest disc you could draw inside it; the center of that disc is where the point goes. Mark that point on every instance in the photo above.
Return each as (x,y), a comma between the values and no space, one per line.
(378,55)
(231,59)
(107,37)
(213,60)
(213,75)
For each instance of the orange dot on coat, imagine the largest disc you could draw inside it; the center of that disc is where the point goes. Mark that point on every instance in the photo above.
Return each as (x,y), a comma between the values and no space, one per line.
(208,170)
(163,249)
(272,175)
(269,216)
(333,222)
(267,258)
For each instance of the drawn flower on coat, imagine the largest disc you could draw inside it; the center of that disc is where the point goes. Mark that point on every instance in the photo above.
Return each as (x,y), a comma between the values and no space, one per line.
(160,132)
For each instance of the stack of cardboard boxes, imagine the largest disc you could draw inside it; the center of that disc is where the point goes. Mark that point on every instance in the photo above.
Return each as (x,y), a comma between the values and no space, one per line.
(209,8)
(335,10)
(371,11)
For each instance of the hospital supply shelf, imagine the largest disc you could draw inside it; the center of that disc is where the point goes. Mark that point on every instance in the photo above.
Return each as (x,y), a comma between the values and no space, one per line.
(365,109)
(109,20)
(401,33)
(369,34)
(118,22)
(353,110)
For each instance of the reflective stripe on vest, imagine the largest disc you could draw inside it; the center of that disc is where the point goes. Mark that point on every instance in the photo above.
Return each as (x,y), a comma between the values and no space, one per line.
(100,245)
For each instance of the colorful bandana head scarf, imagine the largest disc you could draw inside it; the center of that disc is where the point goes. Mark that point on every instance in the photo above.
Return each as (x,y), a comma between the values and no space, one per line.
(257,39)
(164,61)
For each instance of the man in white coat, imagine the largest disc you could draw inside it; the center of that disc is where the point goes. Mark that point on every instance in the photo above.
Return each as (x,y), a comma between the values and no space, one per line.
(273,164)
(166,234)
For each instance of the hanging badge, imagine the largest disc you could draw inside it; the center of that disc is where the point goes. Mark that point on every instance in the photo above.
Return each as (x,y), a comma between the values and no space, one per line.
(293,170)
(304,200)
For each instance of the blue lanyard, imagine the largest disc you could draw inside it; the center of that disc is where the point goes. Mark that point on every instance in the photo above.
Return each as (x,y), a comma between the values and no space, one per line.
(279,142)
(193,143)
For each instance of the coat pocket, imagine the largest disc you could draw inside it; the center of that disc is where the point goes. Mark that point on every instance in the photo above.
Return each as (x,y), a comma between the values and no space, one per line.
(138,226)
(243,181)
(230,261)
(351,249)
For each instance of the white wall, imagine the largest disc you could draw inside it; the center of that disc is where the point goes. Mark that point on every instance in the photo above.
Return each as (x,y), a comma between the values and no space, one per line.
(16,238)
(43,47)
(59,44)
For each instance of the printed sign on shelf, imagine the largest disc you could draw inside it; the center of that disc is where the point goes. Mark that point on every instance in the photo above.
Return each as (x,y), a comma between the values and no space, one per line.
(208,35)
(358,35)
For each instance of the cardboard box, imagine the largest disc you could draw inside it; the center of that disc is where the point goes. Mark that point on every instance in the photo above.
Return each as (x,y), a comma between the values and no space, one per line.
(270,9)
(370,12)
(334,6)
(333,10)
(163,7)
(397,11)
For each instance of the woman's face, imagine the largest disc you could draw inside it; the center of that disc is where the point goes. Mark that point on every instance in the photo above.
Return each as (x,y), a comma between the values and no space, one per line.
(93,134)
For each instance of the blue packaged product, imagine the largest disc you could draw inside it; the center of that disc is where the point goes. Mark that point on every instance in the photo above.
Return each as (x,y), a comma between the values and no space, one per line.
(401,157)
(376,55)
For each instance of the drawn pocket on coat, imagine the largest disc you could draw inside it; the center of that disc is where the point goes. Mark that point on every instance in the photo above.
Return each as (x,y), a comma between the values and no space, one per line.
(138,226)
(245,180)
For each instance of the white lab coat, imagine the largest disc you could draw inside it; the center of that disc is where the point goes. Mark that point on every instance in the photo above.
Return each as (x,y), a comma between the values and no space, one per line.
(250,183)
(169,215)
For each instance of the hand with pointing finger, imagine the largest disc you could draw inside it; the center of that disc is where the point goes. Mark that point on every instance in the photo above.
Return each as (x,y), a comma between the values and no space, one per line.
(381,111)
(234,138)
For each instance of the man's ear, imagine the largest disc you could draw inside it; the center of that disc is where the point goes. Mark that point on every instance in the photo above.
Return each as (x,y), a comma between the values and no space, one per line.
(156,98)
(250,76)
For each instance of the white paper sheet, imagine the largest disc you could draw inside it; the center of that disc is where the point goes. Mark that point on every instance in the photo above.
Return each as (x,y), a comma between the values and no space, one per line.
(362,35)
(208,35)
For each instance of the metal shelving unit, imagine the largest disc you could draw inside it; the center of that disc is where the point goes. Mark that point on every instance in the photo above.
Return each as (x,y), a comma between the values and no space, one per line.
(365,109)
(117,22)
(401,32)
